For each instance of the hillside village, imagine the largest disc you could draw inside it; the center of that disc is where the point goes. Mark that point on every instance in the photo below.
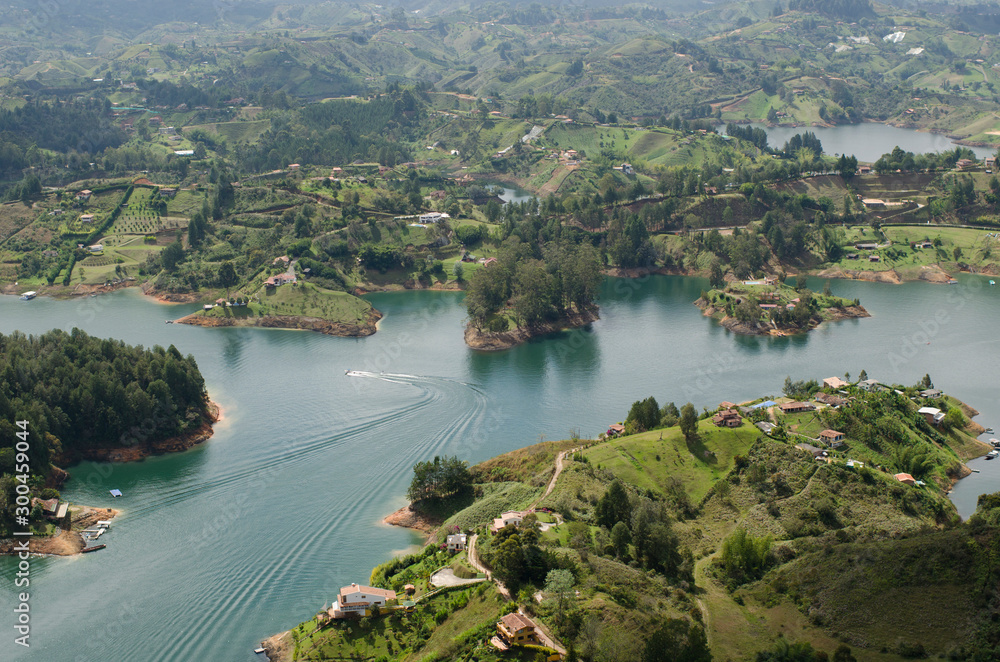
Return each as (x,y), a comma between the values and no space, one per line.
(798,471)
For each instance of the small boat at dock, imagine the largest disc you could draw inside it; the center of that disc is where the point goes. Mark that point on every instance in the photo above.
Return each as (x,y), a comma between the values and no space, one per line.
(28,296)
(259,650)
(992,454)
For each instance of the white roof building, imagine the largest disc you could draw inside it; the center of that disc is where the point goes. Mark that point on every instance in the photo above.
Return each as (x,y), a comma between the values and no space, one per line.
(357,599)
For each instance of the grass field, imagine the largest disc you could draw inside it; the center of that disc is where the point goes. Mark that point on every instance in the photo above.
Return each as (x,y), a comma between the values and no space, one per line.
(235,132)
(652,460)
(301,300)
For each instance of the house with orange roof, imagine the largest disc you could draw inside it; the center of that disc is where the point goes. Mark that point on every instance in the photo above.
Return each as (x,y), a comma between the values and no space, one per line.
(831,436)
(728,418)
(515,630)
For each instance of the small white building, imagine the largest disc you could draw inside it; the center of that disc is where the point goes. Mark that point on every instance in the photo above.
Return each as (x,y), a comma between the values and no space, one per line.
(433,217)
(456,542)
(933,415)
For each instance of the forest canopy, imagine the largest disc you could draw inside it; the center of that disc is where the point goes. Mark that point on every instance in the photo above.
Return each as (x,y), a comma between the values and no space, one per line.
(79,392)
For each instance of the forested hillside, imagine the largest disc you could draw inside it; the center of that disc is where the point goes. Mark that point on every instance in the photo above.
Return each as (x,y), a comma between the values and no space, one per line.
(78,392)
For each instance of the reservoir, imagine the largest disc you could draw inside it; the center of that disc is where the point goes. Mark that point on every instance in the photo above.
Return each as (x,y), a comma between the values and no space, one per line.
(869,140)
(256,529)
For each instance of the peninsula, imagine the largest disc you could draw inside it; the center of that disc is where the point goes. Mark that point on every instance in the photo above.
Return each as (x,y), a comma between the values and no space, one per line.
(289,304)
(675,534)
(87,399)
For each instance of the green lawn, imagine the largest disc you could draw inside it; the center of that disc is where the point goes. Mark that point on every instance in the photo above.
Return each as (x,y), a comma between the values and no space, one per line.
(649,462)
(302,300)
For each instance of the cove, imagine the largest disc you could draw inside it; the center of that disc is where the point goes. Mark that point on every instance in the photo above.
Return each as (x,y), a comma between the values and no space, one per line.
(869,140)
(253,531)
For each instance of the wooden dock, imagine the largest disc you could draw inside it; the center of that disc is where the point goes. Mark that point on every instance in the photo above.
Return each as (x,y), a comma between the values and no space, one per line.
(92,549)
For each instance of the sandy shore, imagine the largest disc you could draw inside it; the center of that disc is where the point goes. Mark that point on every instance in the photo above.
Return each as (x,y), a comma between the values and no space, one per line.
(409,519)
(65,542)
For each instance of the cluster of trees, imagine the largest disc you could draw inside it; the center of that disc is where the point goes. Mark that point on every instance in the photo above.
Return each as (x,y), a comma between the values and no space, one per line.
(849,10)
(380,256)
(755,136)
(62,126)
(745,557)
(83,392)
(800,141)
(628,242)
(639,528)
(899,159)
(534,283)
(648,415)
(516,557)
(440,478)
(336,132)
(800,390)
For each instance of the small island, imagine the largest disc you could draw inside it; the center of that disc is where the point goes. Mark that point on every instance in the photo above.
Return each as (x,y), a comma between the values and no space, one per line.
(68,397)
(770,307)
(517,296)
(283,302)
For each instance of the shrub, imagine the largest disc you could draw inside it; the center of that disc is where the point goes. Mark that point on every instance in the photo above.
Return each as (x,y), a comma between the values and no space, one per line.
(745,557)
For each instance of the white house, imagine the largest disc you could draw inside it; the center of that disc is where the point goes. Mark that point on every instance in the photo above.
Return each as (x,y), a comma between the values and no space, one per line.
(433,217)
(510,517)
(356,599)
(932,414)
(456,542)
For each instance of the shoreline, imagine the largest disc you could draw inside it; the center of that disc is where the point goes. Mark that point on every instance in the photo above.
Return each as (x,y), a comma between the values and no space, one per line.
(409,519)
(65,542)
(324,326)
(143,450)
(742,328)
(492,341)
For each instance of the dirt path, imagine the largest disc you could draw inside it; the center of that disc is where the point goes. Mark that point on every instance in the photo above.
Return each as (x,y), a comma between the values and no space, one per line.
(552,483)
(545,636)
(478,565)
